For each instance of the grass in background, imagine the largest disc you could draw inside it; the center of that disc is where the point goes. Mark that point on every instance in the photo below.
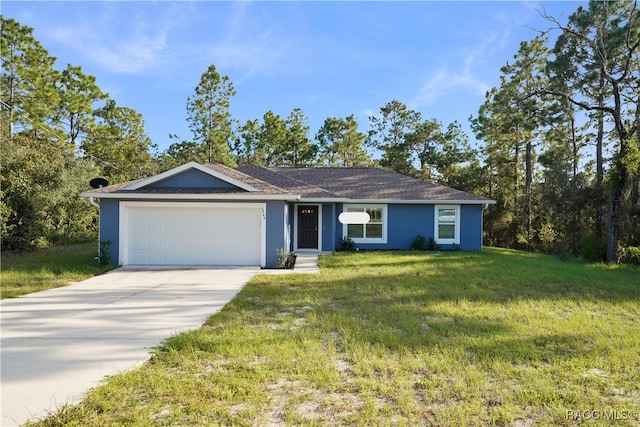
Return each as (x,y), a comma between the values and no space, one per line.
(401,338)
(24,273)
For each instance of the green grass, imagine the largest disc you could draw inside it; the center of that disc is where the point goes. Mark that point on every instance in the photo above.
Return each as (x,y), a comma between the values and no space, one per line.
(398,338)
(24,273)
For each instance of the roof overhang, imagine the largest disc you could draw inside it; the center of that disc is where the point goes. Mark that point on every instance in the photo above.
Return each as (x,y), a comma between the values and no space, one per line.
(191,165)
(397,202)
(192,196)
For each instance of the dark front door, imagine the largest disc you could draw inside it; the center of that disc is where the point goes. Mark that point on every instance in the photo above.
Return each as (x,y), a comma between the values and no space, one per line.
(307,227)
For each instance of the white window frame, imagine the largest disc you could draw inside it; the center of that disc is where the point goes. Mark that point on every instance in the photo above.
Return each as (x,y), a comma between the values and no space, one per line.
(436,228)
(385,221)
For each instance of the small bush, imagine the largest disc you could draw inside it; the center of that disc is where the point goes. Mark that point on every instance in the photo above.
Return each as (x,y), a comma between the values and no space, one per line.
(104,257)
(285,260)
(629,255)
(346,244)
(591,249)
(419,244)
(432,245)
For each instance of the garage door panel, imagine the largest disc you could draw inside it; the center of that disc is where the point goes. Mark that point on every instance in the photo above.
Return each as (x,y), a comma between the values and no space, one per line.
(194,235)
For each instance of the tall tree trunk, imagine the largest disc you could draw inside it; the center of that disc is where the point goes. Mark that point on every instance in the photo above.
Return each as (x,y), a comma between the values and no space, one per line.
(615,201)
(516,181)
(528,182)
(575,149)
(599,162)
(619,172)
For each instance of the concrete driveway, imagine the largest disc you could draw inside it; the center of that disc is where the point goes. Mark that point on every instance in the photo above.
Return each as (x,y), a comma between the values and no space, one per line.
(57,344)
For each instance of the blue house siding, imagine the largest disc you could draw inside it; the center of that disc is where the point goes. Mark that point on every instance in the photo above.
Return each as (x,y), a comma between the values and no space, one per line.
(109,225)
(192,178)
(339,208)
(406,222)
(276,231)
(471,227)
(328,224)
(289,224)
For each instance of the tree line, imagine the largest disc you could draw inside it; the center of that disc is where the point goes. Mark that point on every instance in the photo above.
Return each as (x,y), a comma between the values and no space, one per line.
(558,140)
(561,138)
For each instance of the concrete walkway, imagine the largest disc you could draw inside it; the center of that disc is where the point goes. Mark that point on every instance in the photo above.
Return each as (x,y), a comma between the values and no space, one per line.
(57,344)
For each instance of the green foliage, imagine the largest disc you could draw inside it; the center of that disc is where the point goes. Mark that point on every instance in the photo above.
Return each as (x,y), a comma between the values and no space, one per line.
(104,257)
(388,132)
(432,245)
(341,144)
(595,67)
(591,248)
(547,236)
(439,152)
(419,243)
(24,273)
(536,111)
(285,259)
(346,244)
(28,82)
(209,117)
(629,255)
(249,149)
(47,115)
(276,141)
(282,257)
(298,150)
(41,201)
(78,95)
(121,143)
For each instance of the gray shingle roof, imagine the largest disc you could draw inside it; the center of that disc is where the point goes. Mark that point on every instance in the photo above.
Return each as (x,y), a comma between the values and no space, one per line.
(356,183)
(313,183)
(263,187)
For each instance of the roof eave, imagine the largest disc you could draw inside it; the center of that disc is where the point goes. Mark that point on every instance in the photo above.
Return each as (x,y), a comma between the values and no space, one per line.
(189,196)
(398,201)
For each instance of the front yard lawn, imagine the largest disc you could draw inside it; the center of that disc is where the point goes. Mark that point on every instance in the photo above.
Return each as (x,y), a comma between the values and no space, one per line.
(399,338)
(24,273)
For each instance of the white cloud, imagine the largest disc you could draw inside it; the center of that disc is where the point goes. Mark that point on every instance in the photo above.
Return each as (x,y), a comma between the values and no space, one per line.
(443,79)
(465,69)
(252,43)
(120,40)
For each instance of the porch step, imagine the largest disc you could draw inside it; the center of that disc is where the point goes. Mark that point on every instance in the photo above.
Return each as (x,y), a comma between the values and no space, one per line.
(306,263)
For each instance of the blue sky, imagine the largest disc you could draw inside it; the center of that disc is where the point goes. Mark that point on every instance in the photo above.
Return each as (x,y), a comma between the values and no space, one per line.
(331,59)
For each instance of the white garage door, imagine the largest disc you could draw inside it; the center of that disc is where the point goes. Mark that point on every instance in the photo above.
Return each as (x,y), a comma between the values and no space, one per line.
(192,234)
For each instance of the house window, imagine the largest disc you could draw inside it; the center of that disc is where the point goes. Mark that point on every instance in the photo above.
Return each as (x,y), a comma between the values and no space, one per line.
(447,225)
(375,231)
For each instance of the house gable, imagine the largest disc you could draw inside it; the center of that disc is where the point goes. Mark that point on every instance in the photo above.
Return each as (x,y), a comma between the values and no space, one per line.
(193,171)
(192,178)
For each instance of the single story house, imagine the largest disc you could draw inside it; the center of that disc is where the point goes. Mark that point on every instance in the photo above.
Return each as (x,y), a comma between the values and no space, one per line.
(211,214)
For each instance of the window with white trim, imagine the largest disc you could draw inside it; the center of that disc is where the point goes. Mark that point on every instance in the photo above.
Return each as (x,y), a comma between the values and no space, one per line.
(375,231)
(447,225)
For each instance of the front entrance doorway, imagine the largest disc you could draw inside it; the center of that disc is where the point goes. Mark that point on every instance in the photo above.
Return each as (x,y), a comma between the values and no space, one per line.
(307,227)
